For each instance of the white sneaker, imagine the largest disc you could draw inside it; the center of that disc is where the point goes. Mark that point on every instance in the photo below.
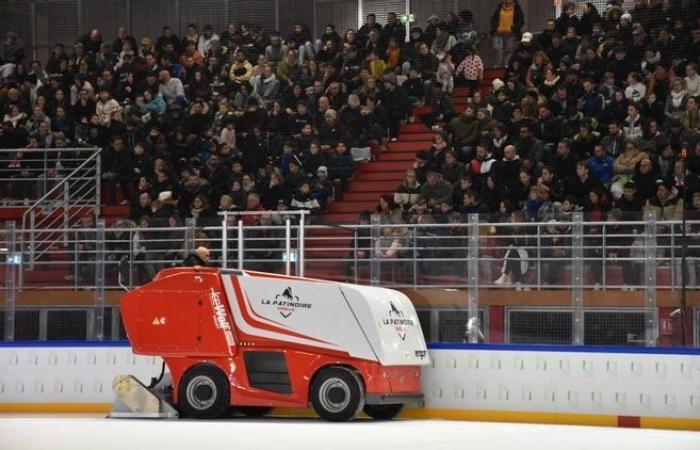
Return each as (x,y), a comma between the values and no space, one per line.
(625,288)
(501,281)
(596,287)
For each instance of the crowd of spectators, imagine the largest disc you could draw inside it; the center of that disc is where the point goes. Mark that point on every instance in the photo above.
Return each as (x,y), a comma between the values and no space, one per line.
(599,112)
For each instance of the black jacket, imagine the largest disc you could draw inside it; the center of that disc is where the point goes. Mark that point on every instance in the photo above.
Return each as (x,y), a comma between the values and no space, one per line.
(193,260)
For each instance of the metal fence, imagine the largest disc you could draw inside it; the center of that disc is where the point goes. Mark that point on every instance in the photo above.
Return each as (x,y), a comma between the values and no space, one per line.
(567,260)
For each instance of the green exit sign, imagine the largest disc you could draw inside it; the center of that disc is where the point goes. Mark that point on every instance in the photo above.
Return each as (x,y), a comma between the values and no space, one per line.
(408,18)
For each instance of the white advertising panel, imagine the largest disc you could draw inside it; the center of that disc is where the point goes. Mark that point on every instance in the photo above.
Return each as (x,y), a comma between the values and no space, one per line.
(624,384)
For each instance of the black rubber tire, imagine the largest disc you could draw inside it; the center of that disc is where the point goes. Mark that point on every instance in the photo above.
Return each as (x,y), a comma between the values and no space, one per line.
(194,386)
(254,411)
(383,412)
(341,384)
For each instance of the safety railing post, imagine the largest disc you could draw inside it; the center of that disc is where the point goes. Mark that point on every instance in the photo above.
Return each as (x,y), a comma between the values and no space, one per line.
(32,238)
(287,246)
(374,262)
(355,250)
(99,310)
(240,244)
(604,257)
(189,235)
(577,321)
(131,257)
(539,257)
(224,240)
(12,262)
(415,257)
(66,211)
(98,180)
(45,175)
(651,314)
(473,330)
(301,236)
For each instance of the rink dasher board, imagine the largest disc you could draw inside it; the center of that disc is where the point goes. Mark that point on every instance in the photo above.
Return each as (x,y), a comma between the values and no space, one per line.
(490,380)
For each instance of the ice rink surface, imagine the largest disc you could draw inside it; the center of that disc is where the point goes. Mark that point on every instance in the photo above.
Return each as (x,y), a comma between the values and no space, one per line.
(46,433)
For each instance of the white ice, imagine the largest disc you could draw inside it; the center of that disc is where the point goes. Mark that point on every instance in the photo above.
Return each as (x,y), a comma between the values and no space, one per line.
(24,433)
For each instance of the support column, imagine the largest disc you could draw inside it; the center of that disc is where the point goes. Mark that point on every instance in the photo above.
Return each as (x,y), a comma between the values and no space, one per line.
(473,331)
(651,312)
(375,266)
(189,235)
(100,257)
(301,244)
(360,13)
(11,263)
(577,316)
(224,241)
(240,245)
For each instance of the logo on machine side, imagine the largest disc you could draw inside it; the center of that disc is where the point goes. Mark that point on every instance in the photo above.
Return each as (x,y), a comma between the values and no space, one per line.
(286,303)
(397,320)
(220,317)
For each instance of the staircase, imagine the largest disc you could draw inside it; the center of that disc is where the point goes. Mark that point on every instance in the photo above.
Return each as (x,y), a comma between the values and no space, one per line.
(372,180)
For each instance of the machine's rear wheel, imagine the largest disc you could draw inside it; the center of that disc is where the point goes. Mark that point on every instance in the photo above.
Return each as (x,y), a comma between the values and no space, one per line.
(204,392)
(383,412)
(254,411)
(336,394)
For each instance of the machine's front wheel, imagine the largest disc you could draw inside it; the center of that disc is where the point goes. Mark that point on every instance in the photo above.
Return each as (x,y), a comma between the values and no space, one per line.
(204,392)
(383,412)
(336,394)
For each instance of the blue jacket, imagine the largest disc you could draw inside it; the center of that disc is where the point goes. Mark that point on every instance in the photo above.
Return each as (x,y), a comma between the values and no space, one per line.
(602,168)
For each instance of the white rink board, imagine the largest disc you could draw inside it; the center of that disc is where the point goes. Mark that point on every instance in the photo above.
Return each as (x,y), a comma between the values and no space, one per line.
(68,374)
(623,384)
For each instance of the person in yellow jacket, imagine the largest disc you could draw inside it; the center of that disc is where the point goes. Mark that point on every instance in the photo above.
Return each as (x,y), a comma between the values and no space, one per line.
(376,65)
(506,24)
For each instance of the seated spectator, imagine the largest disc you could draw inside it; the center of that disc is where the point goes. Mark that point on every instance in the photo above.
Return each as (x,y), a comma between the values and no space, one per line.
(435,190)
(322,188)
(408,191)
(601,164)
(341,165)
(665,204)
(302,199)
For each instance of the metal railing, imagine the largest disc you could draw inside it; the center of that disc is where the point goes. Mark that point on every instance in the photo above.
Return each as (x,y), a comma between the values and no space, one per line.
(569,258)
(58,185)
(552,256)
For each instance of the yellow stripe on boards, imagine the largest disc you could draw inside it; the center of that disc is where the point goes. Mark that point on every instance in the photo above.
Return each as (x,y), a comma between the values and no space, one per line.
(101,408)
(670,423)
(511,416)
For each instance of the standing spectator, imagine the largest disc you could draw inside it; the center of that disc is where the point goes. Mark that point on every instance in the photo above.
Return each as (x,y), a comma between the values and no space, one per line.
(515,263)
(506,23)
(472,69)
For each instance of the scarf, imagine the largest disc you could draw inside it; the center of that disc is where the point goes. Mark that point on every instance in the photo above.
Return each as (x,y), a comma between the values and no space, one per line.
(677,98)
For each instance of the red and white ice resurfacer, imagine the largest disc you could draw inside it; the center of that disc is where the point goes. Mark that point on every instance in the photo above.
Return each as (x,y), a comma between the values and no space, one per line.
(251,341)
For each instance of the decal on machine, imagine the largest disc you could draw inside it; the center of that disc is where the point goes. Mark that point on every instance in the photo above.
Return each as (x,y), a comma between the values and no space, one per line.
(398,321)
(286,303)
(158,321)
(220,317)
